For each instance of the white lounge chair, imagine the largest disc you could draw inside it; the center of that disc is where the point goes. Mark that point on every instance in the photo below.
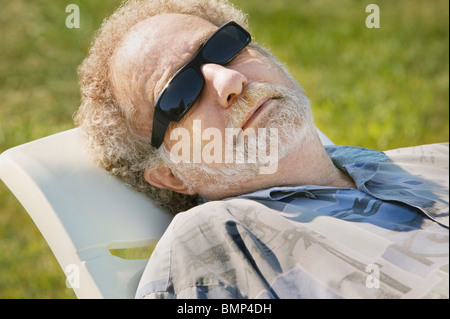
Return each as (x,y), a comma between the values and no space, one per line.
(83,212)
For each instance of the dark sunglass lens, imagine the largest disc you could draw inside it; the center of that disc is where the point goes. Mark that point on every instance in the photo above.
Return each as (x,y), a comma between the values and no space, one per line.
(225,45)
(181,93)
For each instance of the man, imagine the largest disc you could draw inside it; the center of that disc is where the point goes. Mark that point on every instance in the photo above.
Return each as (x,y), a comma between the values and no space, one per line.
(173,95)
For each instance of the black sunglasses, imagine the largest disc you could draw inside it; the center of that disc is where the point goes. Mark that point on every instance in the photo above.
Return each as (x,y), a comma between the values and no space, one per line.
(183,89)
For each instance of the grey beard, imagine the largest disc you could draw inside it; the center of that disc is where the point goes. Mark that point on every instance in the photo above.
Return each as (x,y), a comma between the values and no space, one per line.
(294,123)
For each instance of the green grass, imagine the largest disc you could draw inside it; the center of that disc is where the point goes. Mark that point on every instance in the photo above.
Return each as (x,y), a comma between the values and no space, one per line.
(379,88)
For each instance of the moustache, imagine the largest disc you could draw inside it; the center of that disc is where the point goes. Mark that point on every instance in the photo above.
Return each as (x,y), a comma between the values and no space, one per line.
(248,98)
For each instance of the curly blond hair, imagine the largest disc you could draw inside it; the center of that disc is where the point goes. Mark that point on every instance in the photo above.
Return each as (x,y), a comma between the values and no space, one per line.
(112,136)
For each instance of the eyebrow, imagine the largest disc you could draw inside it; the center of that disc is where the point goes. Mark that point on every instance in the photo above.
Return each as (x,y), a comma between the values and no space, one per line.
(199,44)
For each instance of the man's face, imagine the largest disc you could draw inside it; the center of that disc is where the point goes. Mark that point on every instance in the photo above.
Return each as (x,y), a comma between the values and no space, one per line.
(251,92)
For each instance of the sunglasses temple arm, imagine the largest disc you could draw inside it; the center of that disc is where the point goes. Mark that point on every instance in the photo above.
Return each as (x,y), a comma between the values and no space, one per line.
(160,124)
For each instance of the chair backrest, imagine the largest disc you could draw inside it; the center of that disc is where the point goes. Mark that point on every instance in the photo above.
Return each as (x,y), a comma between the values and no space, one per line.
(83,212)
(324,139)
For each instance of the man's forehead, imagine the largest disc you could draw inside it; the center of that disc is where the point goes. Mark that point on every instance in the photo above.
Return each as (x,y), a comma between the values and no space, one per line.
(163,33)
(160,43)
(151,51)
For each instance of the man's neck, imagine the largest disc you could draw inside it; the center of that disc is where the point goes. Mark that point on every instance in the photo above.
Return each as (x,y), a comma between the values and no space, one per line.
(311,165)
(308,164)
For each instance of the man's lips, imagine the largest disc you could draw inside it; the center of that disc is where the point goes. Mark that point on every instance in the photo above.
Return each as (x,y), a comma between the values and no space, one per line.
(254,113)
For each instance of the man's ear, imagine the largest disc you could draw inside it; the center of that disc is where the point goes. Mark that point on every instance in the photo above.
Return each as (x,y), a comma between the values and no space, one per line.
(162,177)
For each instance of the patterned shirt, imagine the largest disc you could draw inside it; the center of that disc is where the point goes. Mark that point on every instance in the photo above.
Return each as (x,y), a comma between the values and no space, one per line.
(386,239)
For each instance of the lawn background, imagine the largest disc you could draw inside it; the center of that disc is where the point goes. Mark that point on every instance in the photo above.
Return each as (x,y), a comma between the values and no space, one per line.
(379,88)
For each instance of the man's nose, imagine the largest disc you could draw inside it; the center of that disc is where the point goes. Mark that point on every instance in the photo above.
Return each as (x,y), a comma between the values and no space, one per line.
(223,83)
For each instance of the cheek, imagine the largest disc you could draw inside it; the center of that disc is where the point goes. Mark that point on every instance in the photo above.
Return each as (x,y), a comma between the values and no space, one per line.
(269,73)
(205,114)
(259,68)
(188,138)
